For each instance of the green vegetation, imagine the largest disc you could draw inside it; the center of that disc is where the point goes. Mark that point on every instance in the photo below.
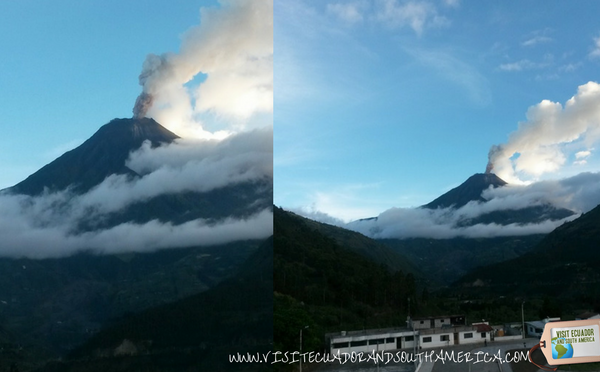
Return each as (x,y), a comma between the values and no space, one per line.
(327,287)
(56,304)
(446,260)
(195,333)
(564,265)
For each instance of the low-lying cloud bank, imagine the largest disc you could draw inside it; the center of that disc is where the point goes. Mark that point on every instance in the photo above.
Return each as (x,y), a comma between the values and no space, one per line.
(579,193)
(46,226)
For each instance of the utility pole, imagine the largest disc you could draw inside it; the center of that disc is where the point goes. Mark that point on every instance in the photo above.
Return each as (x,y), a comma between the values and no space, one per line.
(523,319)
(301,329)
(377,356)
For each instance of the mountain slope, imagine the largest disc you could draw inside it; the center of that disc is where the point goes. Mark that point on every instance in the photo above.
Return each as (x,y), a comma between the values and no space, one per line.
(195,333)
(361,244)
(564,263)
(57,303)
(330,287)
(446,260)
(470,190)
(106,153)
(101,155)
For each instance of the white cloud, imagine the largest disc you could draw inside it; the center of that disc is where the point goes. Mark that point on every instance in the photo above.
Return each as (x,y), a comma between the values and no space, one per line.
(581,157)
(570,67)
(47,225)
(318,216)
(536,40)
(539,145)
(521,65)
(233,49)
(583,154)
(413,14)
(595,53)
(351,12)
(24,239)
(399,223)
(452,3)
(580,193)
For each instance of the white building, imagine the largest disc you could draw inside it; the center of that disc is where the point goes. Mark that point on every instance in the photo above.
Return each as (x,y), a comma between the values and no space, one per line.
(371,340)
(535,328)
(446,331)
(455,335)
(438,321)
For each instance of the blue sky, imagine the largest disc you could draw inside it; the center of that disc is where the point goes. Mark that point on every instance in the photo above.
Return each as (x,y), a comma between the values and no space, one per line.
(390,103)
(69,66)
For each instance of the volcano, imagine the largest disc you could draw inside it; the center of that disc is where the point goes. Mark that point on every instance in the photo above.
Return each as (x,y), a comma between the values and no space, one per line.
(470,190)
(106,152)
(57,302)
(103,154)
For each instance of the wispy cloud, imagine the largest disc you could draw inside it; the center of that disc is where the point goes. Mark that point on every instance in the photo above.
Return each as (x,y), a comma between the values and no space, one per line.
(521,65)
(456,70)
(595,53)
(570,67)
(351,12)
(394,14)
(452,3)
(536,40)
(413,14)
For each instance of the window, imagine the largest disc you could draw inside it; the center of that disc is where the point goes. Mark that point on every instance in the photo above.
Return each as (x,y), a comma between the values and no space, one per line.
(422,321)
(409,338)
(426,339)
(390,340)
(482,334)
(339,345)
(376,341)
(441,320)
(358,343)
(445,338)
(468,335)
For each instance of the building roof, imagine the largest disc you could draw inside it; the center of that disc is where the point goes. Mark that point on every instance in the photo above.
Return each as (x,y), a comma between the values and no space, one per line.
(431,331)
(439,317)
(367,332)
(537,323)
(588,315)
(483,327)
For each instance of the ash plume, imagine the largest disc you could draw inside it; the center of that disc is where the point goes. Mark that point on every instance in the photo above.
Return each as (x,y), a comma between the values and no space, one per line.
(232,48)
(494,150)
(142,105)
(550,138)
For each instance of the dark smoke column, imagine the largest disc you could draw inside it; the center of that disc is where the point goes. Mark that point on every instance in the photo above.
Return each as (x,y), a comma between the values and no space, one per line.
(495,151)
(156,71)
(142,105)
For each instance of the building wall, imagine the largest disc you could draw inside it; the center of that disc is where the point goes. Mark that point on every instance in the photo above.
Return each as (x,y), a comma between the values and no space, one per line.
(368,343)
(476,337)
(531,330)
(427,323)
(436,340)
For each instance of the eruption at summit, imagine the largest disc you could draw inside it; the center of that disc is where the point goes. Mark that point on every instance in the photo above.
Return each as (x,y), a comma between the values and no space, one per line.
(553,136)
(233,79)
(142,105)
